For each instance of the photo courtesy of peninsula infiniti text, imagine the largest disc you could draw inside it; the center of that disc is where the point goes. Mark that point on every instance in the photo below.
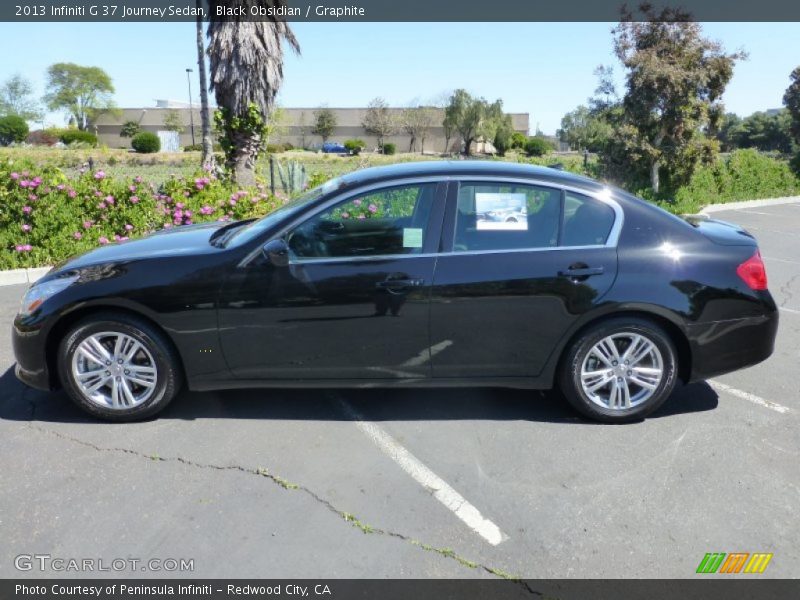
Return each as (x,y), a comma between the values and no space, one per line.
(467,273)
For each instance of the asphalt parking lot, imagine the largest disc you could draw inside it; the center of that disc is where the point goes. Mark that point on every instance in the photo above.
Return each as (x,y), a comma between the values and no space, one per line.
(418,483)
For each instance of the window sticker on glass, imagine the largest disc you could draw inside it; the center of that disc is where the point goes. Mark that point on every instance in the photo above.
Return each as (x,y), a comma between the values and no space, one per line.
(412,237)
(498,211)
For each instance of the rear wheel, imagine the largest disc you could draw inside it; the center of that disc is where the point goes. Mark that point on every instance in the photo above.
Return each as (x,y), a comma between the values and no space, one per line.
(619,370)
(118,367)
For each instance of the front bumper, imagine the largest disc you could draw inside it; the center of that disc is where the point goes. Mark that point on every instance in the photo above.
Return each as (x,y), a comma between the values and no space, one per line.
(724,346)
(30,350)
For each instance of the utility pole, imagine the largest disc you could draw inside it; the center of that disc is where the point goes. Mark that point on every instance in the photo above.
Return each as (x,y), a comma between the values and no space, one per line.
(191,110)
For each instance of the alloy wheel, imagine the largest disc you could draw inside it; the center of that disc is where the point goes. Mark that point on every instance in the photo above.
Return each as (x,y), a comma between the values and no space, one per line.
(622,371)
(114,370)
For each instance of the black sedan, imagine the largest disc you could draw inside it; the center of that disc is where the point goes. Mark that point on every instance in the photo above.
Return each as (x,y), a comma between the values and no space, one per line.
(387,277)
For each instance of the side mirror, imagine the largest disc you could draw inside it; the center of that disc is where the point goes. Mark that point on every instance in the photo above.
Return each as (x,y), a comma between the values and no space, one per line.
(277,252)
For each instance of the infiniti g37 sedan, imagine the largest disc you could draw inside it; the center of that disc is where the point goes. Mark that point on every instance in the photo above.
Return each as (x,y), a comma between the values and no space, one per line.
(387,277)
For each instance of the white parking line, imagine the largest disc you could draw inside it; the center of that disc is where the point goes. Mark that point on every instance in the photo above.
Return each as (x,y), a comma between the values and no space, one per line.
(442,491)
(722,387)
(783,260)
(755,212)
(789,310)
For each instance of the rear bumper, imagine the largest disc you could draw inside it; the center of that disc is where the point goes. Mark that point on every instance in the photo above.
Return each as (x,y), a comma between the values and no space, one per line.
(724,346)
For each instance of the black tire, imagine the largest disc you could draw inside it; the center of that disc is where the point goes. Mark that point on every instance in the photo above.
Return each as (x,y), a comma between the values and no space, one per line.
(169,376)
(570,371)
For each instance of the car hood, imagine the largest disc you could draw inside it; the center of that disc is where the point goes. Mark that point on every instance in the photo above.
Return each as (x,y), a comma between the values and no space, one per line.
(187,239)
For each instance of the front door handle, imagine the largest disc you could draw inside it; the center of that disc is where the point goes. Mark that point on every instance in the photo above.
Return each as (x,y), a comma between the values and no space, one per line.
(581,272)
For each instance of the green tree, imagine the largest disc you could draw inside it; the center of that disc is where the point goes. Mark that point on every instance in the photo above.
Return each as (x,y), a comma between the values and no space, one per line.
(324,123)
(465,114)
(503,135)
(674,81)
(379,120)
(173,121)
(473,118)
(246,60)
(13,130)
(727,130)
(791,100)
(16,98)
(82,92)
(417,122)
(129,129)
(585,129)
(763,131)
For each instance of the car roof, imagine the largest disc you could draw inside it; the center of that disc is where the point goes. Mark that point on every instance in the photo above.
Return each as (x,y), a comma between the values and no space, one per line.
(461,168)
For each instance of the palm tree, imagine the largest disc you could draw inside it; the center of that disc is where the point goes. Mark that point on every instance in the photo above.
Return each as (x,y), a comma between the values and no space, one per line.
(246,72)
(207,159)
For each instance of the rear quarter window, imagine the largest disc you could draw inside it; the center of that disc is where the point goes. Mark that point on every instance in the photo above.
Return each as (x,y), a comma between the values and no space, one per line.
(587,222)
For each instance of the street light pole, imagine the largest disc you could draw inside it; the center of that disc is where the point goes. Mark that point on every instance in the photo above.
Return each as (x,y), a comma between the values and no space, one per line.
(191,113)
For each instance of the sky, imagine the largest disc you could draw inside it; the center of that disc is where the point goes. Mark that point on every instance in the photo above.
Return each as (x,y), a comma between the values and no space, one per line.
(544,69)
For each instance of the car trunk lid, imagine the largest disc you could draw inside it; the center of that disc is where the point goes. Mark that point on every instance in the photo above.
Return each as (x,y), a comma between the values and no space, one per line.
(721,232)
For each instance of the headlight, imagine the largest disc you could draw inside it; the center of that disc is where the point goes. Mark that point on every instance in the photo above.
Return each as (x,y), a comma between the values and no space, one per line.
(39,292)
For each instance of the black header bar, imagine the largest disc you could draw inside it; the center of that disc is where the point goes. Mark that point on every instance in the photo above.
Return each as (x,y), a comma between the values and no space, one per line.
(365,11)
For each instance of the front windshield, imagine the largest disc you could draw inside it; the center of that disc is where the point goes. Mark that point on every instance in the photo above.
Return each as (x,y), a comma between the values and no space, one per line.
(252,230)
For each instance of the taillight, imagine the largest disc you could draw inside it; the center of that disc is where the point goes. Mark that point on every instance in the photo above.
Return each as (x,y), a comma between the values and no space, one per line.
(753,273)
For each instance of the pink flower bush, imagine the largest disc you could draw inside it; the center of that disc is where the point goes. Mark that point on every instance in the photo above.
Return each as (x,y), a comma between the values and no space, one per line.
(100,175)
(102,241)
(26,227)
(77,235)
(27,210)
(23,247)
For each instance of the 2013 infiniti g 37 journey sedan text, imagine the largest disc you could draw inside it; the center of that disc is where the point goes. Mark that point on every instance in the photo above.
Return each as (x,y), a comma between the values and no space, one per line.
(395,276)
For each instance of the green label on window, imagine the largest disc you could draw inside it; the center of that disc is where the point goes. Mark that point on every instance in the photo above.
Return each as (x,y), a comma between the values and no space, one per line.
(412,237)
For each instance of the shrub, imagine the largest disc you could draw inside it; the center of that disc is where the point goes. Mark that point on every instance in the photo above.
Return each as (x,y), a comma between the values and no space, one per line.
(518,140)
(744,175)
(538,146)
(76,136)
(354,146)
(389,148)
(278,148)
(49,215)
(146,142)
(43,137)
(199,147)
(13,130)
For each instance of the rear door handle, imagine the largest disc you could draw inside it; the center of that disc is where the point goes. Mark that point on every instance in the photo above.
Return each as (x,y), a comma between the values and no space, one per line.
(400,283)
(581,272)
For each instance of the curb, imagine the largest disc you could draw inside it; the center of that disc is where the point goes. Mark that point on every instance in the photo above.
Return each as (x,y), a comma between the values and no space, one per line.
(22,276)
(712,208)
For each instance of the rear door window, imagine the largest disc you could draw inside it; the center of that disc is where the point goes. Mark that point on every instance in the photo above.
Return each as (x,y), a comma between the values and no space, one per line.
(500,216)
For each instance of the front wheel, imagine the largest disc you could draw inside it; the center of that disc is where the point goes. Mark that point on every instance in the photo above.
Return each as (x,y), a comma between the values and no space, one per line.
(619,370)
(118,367)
